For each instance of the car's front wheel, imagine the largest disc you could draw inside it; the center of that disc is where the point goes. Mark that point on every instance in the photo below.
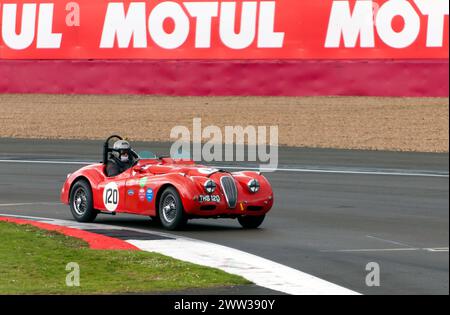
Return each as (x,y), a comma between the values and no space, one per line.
(171,213)
(251,222)
(81,202)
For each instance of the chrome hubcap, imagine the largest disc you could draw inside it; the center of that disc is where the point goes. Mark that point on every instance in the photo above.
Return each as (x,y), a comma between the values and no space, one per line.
(80,201)
(169,209)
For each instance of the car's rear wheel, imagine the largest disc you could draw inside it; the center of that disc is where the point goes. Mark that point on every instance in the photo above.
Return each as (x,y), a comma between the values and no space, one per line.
(171,213)
(81,202)
(251,222)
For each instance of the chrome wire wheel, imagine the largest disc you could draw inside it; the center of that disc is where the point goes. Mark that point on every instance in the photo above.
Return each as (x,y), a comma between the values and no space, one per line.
(80,202)
(169,208)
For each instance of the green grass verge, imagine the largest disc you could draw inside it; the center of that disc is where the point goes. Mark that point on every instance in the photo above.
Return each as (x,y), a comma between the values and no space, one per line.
(33,261)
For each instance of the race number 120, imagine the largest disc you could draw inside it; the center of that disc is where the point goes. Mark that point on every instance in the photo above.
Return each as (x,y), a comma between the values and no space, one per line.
(111,196)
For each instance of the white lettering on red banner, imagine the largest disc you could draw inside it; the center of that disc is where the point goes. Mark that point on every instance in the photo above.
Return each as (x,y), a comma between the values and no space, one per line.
(264,29)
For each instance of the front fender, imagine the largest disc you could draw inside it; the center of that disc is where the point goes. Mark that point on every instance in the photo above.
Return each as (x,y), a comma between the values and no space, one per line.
(186,187)
(92,175)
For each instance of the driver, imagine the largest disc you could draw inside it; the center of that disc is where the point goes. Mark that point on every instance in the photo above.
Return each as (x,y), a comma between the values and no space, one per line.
(120,159)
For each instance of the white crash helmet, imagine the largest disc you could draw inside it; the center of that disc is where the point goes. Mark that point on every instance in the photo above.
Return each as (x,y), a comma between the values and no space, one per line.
(121,145)
(121,150)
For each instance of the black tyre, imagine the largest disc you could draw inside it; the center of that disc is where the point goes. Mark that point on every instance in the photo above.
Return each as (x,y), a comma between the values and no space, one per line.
(81,202)
(251,222)
(171,213)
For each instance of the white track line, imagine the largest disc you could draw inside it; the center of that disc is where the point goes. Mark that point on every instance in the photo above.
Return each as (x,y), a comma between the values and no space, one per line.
(296,170)
(406,249)
(261,271)
(308,170)
(46,162)
(438,249)
(28,204)
(387,241)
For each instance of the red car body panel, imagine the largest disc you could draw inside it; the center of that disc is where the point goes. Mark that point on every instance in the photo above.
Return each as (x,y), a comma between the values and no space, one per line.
(138,189)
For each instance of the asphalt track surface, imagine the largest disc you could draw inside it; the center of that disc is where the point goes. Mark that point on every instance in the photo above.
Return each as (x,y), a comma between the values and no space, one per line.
(335,211)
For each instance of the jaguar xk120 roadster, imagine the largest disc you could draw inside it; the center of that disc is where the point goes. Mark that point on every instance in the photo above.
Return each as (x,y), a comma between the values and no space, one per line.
(169,190)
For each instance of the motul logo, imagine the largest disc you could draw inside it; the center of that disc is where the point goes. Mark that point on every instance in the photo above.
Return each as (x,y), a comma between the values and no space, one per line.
(346,26)
(130,28)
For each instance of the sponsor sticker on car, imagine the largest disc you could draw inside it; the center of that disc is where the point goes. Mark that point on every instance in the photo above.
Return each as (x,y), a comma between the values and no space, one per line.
(142,182)
(142,194)
(149,194)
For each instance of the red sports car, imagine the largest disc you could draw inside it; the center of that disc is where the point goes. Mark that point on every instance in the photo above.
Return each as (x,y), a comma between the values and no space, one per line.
(169,190)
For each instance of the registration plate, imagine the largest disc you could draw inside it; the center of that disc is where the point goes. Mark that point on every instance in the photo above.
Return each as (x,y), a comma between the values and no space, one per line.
(209,198)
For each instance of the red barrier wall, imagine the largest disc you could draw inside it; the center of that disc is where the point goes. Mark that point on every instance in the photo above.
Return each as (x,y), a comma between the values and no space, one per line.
(275,78)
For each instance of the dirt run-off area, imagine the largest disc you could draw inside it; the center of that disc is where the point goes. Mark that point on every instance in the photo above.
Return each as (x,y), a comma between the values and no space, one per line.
(398,124)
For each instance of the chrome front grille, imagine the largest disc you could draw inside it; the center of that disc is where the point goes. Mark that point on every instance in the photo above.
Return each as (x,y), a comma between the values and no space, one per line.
(230,190)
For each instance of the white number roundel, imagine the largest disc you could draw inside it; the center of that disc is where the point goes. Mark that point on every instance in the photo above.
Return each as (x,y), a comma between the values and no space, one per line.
(111,197)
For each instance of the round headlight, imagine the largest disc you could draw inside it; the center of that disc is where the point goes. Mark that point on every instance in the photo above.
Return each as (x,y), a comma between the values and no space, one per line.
(210,186)
(253,185)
